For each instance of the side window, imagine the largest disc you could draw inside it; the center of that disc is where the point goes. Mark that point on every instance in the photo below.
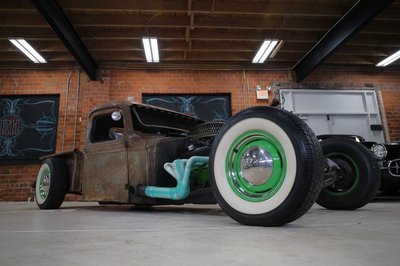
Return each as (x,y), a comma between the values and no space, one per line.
(107,127)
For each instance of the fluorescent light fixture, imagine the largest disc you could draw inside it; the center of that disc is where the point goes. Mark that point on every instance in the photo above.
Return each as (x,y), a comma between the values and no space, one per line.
(150,46)
(389,60)
(265,50)
(27,49)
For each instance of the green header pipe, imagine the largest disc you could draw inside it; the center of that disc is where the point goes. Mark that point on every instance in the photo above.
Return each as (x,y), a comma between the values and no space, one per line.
(180,169)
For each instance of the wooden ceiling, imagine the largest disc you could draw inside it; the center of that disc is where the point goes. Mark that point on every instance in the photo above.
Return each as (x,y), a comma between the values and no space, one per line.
(218,34)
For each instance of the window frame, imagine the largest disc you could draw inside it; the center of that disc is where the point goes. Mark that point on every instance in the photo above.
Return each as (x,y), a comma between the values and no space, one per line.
(91,125)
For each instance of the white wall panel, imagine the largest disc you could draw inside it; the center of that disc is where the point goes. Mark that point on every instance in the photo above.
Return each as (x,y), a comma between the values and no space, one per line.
(336,111)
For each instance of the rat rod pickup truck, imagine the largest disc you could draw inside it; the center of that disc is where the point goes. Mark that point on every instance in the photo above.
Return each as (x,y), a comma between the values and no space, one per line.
(264,166)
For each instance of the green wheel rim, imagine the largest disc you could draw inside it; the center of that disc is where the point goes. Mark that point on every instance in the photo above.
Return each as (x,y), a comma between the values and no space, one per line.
(44,183)
(355,179)
(270,178)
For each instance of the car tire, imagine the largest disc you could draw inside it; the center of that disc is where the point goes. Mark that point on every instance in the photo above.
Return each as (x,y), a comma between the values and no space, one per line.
(359,177)
(279,186)
(51,184)
(206,129)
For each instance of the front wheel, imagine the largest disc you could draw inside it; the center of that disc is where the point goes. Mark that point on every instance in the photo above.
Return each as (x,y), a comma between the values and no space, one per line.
(358,176)
(265,167)
(51,184)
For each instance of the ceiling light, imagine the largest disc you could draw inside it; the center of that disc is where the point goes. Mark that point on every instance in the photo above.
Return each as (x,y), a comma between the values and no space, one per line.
(265,50)
(389,60)
(27,49)
(150,46)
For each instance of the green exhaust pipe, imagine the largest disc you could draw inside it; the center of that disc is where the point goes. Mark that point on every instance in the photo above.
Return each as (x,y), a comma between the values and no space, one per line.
(180,169)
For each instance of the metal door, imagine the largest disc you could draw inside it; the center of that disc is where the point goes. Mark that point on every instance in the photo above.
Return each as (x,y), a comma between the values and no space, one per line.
(105,170)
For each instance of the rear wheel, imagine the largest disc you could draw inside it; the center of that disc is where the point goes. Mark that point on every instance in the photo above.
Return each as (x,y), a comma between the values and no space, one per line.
(265,167)
(51,184)
(358,178)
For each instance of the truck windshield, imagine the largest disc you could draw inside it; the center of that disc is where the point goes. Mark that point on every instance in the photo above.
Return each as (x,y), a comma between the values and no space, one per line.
(105,128)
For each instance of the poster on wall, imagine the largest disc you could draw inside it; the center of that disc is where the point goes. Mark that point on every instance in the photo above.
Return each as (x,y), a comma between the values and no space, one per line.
(28,127)
(208,107)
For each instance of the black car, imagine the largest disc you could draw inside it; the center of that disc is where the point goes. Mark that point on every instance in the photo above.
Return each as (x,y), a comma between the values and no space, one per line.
(388,156)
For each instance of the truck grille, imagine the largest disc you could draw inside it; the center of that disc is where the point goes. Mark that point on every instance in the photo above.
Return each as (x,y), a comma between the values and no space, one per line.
(394,167)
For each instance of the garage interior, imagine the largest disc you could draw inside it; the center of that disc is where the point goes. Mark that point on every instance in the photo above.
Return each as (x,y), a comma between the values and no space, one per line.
(94,53)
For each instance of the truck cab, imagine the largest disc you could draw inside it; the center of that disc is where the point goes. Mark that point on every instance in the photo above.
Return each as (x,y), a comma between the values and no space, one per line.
(126,144)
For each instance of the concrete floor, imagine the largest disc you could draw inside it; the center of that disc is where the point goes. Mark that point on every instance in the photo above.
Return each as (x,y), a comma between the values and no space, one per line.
(88,234)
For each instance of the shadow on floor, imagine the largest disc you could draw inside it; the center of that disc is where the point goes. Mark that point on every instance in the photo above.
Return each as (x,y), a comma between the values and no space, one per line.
(387,197)
(191,209)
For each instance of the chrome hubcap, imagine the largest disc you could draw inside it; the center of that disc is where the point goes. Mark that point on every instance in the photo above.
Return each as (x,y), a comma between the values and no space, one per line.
(256,166)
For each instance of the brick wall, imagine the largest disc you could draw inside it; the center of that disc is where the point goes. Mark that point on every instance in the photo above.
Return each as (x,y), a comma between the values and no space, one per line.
(118,84)
(16,180)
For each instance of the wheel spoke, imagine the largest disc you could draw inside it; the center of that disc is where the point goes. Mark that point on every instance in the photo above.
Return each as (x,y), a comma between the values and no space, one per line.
(44,183)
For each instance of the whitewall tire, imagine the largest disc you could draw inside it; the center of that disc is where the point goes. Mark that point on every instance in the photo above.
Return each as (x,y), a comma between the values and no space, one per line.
(265,167)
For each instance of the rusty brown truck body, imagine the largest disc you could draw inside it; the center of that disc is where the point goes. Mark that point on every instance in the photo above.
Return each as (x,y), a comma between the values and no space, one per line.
(109,168)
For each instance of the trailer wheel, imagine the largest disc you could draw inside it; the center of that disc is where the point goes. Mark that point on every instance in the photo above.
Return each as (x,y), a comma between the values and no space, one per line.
(265,167)
(51,184)
(358,179)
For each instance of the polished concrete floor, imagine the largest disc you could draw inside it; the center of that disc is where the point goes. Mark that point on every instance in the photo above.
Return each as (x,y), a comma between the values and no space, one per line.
(88,234)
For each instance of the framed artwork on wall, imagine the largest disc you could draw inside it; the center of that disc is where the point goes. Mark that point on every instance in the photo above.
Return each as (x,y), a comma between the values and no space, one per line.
(28,127)
(208,107)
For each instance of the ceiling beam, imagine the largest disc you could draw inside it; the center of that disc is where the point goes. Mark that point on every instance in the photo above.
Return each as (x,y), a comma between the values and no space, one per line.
(198,33)
(56,18)
(357,17)
(94,21)
(208,6)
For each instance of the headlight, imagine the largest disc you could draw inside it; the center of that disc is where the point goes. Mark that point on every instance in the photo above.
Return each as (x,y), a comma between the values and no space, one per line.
(379,151)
